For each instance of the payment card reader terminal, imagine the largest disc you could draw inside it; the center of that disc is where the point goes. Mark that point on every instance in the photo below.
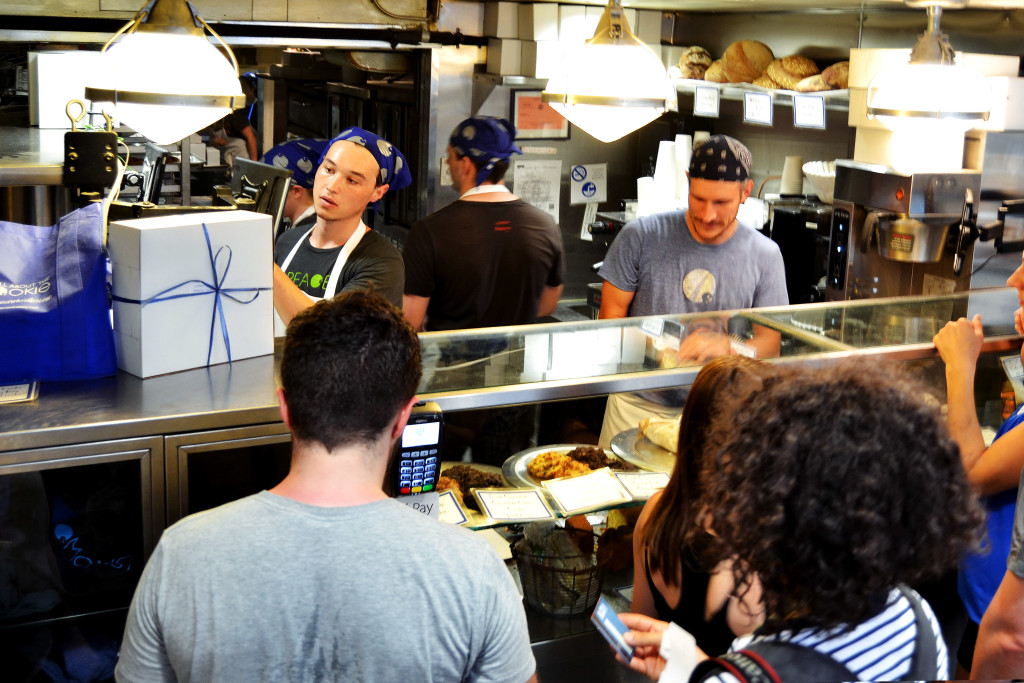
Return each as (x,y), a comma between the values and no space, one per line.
(418,463)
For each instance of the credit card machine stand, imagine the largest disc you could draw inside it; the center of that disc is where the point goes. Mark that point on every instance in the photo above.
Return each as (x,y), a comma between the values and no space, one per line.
(417,464)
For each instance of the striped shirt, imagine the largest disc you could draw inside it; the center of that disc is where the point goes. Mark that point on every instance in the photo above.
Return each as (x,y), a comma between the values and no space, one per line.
(880,649)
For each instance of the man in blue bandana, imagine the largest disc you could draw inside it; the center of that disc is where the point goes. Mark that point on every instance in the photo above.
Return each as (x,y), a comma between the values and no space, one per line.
(699,260)
(339,253)
(489,258)
(302,158)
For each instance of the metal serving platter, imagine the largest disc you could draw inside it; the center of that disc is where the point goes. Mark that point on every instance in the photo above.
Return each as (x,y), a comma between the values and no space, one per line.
(515,470)
(637,449)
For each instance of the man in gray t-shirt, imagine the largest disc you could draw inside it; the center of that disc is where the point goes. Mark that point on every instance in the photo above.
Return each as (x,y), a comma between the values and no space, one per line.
(324,577)
(693,261)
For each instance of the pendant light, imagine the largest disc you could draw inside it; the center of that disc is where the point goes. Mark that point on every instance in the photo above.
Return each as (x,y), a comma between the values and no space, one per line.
(164,77)
(931,90)
(612,85)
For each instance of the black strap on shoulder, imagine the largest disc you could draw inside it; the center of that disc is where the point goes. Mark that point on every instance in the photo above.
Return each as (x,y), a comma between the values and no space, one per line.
(791,662)
(922,665)
(746,666)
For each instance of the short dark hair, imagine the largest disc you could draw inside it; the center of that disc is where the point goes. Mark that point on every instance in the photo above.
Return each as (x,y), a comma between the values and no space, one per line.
(833,485)
(497,173)
(349,364)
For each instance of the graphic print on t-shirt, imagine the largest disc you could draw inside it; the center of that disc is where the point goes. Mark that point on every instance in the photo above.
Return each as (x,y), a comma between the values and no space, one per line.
(310,283)
(699,286)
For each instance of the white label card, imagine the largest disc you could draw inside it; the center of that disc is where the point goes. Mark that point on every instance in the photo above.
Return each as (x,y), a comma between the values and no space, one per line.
(427,503)
(653,327)
(513,505)
(705,101)
(449,510)
(589,492)
(809,111)
(642,485)
(757,108)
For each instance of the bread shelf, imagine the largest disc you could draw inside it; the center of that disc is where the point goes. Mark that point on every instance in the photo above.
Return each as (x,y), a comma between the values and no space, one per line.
(834,99)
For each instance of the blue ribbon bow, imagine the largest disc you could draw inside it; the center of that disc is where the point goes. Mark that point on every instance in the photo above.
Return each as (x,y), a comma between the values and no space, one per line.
(217,289)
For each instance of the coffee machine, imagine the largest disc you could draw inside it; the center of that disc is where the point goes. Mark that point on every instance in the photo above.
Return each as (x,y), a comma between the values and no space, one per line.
(897,234)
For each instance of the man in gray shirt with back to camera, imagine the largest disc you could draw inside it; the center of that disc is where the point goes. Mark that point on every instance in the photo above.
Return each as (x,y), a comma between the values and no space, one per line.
(324,577)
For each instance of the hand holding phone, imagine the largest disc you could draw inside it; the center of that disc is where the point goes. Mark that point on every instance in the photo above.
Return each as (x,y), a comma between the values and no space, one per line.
(612,628)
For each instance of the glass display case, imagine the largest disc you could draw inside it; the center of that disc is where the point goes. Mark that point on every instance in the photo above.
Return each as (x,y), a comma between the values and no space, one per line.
(534,363)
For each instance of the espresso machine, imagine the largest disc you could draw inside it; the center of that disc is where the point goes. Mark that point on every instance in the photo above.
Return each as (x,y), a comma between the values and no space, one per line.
(897,234)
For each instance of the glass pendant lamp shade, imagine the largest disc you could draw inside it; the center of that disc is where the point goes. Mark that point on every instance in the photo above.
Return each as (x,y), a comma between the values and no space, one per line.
(932,88)
(612,85)
(165,79)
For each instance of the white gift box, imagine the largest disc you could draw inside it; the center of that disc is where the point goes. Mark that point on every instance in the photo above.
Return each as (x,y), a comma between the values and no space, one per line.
(180,300)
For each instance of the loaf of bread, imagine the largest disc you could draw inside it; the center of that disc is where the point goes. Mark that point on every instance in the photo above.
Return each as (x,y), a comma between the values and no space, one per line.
(716,73)
(765,81)
(745,60)
(837,76)
(694,62)
(788,71)
(812,84)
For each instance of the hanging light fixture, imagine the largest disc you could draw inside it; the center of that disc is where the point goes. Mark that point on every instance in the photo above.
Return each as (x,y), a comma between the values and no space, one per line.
(932,90)
(164,77)
(613,84)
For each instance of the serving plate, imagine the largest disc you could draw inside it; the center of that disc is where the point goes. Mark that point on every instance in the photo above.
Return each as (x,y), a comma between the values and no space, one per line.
(515,468)
(636,449)
(474,518)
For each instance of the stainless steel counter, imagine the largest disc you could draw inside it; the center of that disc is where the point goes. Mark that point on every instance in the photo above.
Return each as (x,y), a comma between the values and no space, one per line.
(124,406)
(31,156)
(499,366)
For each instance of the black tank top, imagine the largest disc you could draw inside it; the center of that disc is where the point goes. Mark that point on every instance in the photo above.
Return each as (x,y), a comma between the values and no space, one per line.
(713,636)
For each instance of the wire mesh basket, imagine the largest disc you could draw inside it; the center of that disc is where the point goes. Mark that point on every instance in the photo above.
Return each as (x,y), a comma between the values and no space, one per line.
(553,585)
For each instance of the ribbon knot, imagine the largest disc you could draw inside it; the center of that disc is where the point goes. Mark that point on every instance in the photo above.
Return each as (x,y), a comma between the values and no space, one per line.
(216,288)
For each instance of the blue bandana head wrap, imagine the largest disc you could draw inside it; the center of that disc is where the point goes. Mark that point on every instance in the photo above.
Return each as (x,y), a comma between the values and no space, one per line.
(486,140)
(302,157)
(394,170)
(720,157)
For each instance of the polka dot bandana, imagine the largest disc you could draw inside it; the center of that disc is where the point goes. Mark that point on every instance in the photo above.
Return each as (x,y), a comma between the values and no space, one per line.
(486,140)
(720,157)
(394,171)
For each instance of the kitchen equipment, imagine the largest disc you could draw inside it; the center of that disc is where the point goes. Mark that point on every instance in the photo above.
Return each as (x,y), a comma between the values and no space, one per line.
(802,232)
(894,234)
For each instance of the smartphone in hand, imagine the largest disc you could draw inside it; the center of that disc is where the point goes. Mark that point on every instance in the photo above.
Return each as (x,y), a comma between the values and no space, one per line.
(611,627)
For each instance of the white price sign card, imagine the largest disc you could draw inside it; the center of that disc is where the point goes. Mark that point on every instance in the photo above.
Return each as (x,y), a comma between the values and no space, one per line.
(705,101)
(642,485)
(513,505)
(809,111)
(757,108)
(448,509)
(590,492)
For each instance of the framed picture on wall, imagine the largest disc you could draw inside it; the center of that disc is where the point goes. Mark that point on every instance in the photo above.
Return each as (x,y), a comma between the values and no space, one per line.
(535,119)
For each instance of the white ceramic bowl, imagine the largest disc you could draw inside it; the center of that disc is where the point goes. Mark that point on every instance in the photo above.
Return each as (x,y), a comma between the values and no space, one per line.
(822,175)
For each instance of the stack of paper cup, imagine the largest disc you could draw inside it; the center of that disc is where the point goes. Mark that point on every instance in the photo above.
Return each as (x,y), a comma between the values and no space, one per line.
(665,171)
(792,176)
(646,197)
(684,149)
(699,135)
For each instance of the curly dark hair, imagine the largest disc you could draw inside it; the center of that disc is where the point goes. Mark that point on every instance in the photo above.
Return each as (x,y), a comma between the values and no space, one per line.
(833,485)
(349,364)
(675,512)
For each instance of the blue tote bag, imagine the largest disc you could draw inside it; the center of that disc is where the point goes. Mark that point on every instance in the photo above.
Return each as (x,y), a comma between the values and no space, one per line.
(54,307)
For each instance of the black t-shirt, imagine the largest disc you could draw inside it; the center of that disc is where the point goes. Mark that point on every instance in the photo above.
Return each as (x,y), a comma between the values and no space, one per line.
(483,264)
(374,260)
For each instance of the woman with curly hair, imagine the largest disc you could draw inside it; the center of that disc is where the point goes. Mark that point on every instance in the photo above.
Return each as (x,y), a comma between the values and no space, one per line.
(682,583)
(835,487)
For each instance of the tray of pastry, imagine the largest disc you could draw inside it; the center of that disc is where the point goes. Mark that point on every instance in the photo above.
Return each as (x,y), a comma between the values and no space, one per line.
(528,468)
(462,477)
(636,449)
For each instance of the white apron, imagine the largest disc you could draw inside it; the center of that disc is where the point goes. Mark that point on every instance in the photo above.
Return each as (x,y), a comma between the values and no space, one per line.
(331,286)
